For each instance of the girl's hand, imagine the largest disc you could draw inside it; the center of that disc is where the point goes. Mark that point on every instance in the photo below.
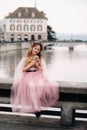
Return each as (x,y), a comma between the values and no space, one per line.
(33,62)
(38,66)
(27,67)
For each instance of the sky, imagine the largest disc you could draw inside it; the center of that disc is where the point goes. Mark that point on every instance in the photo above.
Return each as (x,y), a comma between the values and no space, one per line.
(64,16)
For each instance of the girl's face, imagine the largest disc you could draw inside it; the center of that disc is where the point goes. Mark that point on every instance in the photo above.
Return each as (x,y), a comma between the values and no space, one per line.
(36,50)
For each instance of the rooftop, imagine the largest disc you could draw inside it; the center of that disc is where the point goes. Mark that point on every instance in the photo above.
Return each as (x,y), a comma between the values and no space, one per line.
(27,12)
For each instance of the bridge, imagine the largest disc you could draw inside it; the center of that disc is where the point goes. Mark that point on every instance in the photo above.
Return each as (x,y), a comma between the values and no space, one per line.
(67,113)
(70,45)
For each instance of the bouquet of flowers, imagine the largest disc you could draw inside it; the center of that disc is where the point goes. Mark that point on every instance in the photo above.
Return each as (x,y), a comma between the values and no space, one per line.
(36,57)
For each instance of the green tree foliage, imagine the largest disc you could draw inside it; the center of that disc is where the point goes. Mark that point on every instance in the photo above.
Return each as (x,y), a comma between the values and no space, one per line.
(51,34)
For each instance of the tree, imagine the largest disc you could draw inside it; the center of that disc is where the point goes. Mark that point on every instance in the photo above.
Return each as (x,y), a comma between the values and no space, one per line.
(51,34)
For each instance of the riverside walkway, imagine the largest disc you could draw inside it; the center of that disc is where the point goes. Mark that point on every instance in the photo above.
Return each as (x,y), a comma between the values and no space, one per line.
(67,114)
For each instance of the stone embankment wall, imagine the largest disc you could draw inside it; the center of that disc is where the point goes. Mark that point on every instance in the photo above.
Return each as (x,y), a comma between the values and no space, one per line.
(14,46)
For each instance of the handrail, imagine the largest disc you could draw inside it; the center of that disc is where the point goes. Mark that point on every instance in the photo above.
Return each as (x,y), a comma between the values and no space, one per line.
(73,97)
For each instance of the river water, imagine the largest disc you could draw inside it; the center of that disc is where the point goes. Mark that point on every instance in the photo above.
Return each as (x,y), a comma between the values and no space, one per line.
(62,64)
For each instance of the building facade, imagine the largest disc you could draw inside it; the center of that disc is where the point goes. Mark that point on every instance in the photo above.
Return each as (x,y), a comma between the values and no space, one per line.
(25,24)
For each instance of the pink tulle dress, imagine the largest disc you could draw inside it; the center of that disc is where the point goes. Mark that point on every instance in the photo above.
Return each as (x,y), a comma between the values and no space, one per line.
(32,91)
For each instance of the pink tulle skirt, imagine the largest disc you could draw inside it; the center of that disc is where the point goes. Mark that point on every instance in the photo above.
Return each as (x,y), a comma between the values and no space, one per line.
(33,93)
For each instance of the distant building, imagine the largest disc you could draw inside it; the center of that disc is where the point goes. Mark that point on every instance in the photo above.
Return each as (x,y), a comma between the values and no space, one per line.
(25,24)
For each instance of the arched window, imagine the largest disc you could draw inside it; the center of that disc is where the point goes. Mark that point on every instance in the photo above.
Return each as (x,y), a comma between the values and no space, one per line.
(12,37)
(39,28)
(39,37)
(32,37)
(19,28)
(19,37)
(12,27)
(26,38)
(26,28)
(32,28)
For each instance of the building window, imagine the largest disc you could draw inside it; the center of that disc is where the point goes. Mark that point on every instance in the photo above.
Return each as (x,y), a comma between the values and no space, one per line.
(19,28)
(26,28)
(39,28)
(19,37)
(32,37)
(12,27)
(26,38)
(39,37)
(32,28)
(33,14)
(19,14)
(26,10)
(12,37)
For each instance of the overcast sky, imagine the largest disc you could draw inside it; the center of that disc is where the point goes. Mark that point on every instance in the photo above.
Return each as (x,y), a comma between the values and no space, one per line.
(64,16)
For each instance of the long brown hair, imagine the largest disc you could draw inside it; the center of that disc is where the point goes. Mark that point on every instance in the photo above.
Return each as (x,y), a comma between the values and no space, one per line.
(29,53)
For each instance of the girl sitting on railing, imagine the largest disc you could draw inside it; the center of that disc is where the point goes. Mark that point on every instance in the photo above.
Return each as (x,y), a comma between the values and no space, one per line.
(32,91)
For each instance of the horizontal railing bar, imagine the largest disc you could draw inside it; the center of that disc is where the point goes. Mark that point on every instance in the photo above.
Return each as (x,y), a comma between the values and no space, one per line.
(47,108)
(80,119)
(26,114)
(81,111)
(49,111)
(16,113)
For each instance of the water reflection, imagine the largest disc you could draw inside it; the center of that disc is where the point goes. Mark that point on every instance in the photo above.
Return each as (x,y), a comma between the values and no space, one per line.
(62,64)
(69,65)
(8,62)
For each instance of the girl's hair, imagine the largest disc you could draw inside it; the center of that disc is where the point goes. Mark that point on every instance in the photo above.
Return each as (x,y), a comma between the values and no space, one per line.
(29,53)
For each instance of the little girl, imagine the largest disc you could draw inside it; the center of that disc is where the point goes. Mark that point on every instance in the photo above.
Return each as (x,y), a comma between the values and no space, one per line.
(32,91)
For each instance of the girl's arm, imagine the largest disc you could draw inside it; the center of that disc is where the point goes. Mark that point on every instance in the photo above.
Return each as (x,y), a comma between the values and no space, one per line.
(27,67)
(39,66)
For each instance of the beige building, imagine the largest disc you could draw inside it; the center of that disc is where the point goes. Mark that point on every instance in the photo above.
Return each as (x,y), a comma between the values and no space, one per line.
(25,24)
